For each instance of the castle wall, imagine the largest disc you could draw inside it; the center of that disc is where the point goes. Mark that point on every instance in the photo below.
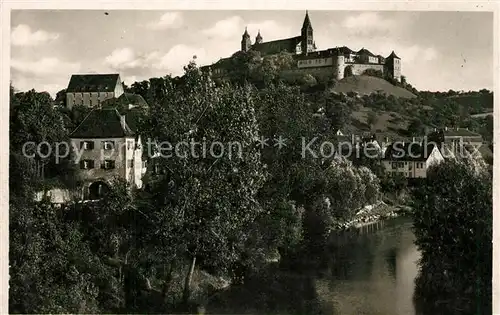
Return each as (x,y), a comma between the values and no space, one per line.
(358,69)
(322,74)
(312,63)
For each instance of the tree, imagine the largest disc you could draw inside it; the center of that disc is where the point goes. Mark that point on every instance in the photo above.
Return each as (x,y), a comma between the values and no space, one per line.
(52,269)
(212,200)
(60,98)
(371,119)
(453,229)
(337,111)
(416,128)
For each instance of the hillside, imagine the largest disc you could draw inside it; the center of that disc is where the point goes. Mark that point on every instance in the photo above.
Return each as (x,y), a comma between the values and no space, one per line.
(388,122)
(366,85)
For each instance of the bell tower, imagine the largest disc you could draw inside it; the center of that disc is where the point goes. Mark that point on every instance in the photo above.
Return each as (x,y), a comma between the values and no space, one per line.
(306,34)
(258,39)
(246,43)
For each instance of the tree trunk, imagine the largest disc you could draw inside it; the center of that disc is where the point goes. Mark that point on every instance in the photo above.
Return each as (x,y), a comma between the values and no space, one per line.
(187,283)
(168,279)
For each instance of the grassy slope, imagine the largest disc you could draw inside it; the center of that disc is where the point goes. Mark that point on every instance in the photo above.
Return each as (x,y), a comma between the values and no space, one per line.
(387,122)
(365,85)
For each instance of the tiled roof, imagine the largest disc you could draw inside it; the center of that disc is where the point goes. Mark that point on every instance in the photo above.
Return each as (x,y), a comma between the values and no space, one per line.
(102,123)
(92,82)
(277,46)
(408,151)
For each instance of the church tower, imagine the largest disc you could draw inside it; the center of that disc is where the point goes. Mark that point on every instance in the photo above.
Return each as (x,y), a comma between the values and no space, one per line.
(258,39)
(246,43)
(306,34)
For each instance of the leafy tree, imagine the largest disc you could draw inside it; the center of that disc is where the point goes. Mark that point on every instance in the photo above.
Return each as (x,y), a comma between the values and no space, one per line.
(416,128)
(60,98)
(337,111)
(52,269)
(371,119)
(453,229)
(212,200)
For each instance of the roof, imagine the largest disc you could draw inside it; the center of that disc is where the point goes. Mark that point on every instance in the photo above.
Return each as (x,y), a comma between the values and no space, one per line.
(246,33)
(392,55)
(277,46)
(459,132)
(307,21)
(364,51)
(134,99)
(399,151)
(93,82)
(344,50)
(102,123)
(126,99)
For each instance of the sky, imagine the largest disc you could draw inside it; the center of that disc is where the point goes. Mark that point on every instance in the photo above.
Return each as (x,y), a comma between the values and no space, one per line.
(439,50)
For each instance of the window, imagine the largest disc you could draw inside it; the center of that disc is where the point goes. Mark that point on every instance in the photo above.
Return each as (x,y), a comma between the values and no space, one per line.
(86,164)
(409,174)
(108,145)
(130,145)
(87,145)
(394,165)
(108,164)
(130,163)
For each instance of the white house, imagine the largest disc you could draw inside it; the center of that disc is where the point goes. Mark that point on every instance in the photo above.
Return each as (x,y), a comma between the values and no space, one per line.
(106,148)
(411,159)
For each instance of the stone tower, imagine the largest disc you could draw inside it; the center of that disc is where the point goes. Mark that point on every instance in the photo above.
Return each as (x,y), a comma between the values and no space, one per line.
(393,66)
(246,43)
(306,34)
(340,66)
(258,38)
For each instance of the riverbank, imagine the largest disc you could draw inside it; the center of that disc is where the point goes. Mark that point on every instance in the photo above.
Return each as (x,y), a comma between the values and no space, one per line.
(371,214)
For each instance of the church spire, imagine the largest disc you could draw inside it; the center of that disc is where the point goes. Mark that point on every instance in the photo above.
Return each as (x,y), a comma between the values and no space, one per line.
(307,21)
(246,42)
(258,39)
(246,33)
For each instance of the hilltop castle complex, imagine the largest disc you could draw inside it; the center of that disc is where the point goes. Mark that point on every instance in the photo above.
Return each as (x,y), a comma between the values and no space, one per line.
(337,63)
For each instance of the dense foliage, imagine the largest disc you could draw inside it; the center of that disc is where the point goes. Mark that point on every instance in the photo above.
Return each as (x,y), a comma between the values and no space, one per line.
(453,227)
(140,251)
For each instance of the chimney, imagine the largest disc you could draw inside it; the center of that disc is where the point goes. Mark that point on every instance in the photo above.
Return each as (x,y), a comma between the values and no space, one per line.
(457,128)
(122,121)
(413,139)
(352,138)
(435,129)
(445,128)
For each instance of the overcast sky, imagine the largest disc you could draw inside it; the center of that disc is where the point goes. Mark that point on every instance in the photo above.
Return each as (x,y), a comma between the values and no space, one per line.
(439,50)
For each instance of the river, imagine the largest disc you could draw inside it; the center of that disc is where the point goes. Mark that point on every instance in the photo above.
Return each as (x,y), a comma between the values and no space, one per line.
(368,271)
(372,271)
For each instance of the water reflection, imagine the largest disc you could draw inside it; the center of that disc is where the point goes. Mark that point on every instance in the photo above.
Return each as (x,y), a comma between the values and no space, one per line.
(373,271)
(369,271)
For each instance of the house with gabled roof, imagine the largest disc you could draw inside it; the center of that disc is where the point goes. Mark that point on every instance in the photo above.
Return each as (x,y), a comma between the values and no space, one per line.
(411,159)
(105,147)
(92,90)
